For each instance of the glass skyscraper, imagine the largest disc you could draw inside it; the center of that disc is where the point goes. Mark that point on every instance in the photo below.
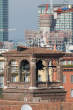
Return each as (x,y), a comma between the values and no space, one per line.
(3,20)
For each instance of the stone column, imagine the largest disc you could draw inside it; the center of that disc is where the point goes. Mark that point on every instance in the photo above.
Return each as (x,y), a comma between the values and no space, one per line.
(19,71)
(6,74)
(33,72)
(58,71)
(47,71)
(61,70)
(54,61)
(50,70)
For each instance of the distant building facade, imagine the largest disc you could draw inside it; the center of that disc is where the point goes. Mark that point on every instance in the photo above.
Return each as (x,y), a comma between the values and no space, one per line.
(57,18)
(55,27)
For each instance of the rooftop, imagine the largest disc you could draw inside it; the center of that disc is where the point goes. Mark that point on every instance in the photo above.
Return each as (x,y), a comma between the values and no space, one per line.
(55,5)
(33,50)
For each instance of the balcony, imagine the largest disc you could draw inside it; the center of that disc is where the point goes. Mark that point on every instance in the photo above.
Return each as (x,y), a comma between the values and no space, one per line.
(20,85)
(48,84)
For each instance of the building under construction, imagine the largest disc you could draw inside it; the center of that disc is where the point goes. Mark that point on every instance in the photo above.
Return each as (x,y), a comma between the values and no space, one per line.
(55,26)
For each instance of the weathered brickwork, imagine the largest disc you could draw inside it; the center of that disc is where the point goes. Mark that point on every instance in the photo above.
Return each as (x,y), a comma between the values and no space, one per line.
(67,73)
(13,105)
(33,73)
(45,93)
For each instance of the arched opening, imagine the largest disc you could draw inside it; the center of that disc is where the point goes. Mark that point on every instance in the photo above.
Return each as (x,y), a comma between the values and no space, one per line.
(13,71)
(25,71)
(40,71)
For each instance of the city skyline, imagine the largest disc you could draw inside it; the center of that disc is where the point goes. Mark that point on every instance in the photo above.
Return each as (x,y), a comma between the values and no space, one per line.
(19,14)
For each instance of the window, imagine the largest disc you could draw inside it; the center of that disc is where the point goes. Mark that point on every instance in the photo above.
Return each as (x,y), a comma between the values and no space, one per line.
(13,78)
(26,78)
(1,66)
(64,62)
(71,78)
(71,92)
(39,78)
(50,63)
(1,81)
(64,78)
(72,62)
(13,63)
(69,62)
(68,69)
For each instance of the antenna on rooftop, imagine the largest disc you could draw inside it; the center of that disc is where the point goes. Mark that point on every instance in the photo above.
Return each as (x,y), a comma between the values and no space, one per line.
(51,6)
(66,1)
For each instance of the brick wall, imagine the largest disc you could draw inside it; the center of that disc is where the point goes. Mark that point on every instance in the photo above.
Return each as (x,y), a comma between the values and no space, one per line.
(16,105)
(68,85)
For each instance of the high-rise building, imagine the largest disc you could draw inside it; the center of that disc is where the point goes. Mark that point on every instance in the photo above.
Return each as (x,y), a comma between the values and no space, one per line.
(46,16)
(64,21)
(58,18)
(3,20)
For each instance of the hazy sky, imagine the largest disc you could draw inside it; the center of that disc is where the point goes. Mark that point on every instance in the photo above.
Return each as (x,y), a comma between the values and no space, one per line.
(23,15)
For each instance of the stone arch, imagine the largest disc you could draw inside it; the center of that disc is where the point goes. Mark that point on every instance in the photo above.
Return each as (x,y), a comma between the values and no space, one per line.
(25,71)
